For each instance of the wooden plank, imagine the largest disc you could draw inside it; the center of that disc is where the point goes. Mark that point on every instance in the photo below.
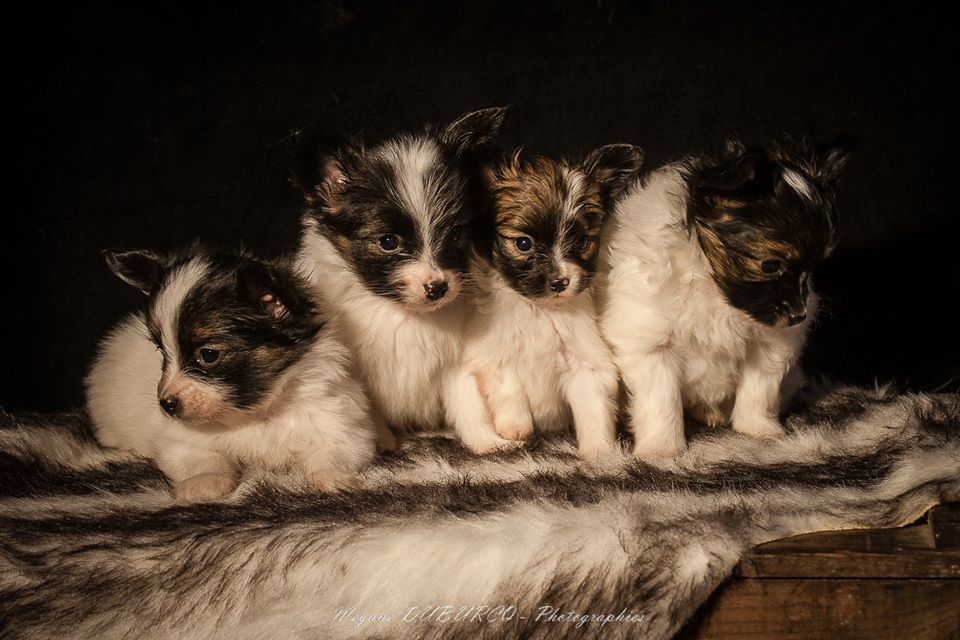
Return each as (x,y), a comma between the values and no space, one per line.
(925,550)
(945,526)
(754,609)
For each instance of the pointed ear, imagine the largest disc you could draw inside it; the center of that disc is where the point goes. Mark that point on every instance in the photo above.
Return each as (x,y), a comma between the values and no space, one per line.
(319,163)
(474,129)
(615,167)
(273,288)
(138,268)
(832,156)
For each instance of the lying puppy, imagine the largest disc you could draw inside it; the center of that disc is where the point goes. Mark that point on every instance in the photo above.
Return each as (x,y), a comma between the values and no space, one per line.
(230,363)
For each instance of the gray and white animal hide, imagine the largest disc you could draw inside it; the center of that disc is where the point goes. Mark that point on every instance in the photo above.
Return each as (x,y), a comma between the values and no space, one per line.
(437,542)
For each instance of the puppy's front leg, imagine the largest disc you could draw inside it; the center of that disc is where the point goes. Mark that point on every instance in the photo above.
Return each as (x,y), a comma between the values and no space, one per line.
(591,394)
(655,404)
(757,407)
(197,475)
(467,413)
(507,404)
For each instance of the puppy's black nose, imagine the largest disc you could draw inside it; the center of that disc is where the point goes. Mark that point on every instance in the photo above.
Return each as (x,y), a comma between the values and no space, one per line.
(171,405)
(559,284)
(435,290)
(796,318)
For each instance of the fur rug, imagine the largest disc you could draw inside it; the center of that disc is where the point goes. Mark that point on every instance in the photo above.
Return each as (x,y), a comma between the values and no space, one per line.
(438,542)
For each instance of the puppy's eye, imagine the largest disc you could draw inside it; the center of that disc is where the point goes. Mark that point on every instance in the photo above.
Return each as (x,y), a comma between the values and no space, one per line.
(389,242)
(207,357)
(583,243)
(523,244)
(772,266)
(456,234)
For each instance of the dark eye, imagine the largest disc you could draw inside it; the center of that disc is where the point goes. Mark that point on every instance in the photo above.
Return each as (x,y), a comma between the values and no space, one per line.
(207,357)
(583,243)
(524,244)
(771,266)
(456,234)
(389,242)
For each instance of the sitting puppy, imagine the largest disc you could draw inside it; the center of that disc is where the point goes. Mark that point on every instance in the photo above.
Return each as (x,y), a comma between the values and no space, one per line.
(230,363)
(385,245)
(708,298)
(533,353)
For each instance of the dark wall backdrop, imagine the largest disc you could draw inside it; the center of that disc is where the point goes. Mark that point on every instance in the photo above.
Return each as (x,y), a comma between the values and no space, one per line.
(136,127)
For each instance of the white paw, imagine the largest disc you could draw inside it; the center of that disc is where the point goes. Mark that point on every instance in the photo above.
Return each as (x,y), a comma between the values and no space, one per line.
(654,451)
(759,427)
(513,429)
(492,445)
(329,481)
(204,487)
(592,451)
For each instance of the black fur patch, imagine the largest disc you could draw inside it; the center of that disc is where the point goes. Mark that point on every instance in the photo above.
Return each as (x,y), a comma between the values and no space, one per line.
(773,204)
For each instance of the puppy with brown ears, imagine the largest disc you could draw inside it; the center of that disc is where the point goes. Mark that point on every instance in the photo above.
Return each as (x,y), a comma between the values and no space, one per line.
(533,356)
(708,296)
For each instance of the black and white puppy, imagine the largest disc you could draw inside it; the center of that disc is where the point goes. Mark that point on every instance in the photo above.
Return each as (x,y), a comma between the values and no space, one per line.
(708,295)
(533,354)
(386,245)
(230,362)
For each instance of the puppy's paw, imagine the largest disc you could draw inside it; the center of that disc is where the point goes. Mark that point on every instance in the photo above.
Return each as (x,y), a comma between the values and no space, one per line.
(205,487)
(760,427)
(515,429)
(710,416)
(330,481)
(493,445)
(593,451)
(646,451)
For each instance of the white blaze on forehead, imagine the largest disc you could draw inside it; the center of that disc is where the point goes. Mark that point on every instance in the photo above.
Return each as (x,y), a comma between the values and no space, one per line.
(166,306)
(799,184)
(575,186)
(420,187)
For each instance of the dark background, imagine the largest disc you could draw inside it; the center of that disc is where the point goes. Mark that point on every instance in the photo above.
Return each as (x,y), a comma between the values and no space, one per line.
(135,128)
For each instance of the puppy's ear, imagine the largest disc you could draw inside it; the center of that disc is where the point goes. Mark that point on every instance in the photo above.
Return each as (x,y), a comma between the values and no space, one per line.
(473,130)
(274,289)
(320,163)
(832,156)
(138,268)
(615,167)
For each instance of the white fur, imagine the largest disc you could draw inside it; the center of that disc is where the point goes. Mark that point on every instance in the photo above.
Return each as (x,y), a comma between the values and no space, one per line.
(677,342)
(405,357)
(317,417)
(533,363)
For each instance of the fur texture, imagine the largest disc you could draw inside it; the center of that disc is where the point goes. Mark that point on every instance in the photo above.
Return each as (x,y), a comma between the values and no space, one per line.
(91,544)
(707,299)
(230,365)
(532,352)
(385,245)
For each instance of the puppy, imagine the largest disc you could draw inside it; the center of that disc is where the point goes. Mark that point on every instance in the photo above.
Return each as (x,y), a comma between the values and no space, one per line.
(532,353)
(708,299)
(229,364)
(386,245)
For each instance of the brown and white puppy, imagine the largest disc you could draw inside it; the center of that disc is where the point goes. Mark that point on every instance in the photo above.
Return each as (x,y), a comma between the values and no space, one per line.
(709,297)
(230,363)
(533,355)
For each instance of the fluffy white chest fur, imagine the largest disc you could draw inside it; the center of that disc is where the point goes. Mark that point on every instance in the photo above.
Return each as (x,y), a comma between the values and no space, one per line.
(534,364)
(317,418)
(404,357)
(677,341)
